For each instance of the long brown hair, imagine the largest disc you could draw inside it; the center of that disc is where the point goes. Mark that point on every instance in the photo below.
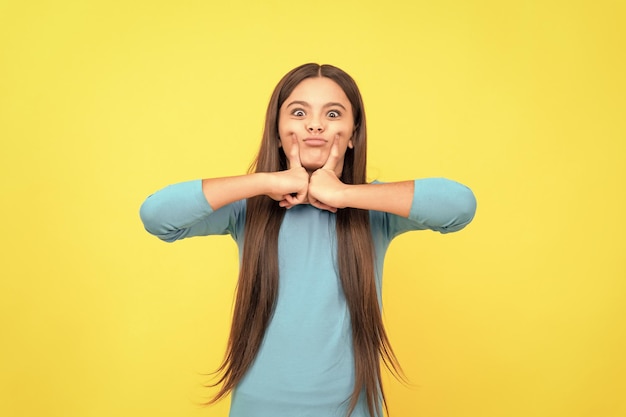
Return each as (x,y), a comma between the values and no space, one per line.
(257,287)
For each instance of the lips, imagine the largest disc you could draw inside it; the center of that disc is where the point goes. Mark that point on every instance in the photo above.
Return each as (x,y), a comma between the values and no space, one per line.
(314,141)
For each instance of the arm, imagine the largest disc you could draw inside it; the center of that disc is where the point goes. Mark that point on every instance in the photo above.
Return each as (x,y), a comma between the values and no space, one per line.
(288,187)
(393,197)
(281,186)
(194,208)
(181,210)
(431,203)
(222,191)
(199,207)
(327,192)
(434,203)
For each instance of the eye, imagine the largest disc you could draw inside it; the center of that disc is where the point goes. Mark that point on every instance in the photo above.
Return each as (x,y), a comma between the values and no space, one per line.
(333,114)
(298,113)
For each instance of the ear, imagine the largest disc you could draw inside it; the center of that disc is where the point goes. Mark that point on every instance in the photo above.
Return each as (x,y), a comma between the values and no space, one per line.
(350,142)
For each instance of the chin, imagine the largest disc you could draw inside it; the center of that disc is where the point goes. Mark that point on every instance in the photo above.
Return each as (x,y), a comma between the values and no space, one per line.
(311,168)
(312,165)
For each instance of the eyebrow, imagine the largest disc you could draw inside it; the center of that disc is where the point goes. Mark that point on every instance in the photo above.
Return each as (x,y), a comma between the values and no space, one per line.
(305,104)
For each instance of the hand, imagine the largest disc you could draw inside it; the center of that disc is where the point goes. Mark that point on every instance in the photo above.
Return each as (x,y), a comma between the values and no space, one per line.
(325,188)
(290,187)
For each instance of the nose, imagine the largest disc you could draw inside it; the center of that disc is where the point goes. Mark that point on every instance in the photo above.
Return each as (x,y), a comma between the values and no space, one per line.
(315,126)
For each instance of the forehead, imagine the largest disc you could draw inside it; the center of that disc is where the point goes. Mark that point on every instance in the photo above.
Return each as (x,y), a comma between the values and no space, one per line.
(318,90)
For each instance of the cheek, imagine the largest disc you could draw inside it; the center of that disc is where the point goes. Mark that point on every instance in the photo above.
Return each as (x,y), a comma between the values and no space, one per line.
(345,131)
(285,127)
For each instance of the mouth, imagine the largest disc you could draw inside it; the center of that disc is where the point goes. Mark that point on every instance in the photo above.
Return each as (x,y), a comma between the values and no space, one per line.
(314,141)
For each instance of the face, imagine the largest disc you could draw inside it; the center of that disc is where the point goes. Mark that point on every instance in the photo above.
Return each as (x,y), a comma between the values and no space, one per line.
(317,113)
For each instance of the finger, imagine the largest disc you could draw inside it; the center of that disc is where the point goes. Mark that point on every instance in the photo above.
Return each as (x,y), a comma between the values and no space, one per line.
(285,204)
(291,199)
(334,156)
(322,206)
(294,200)
(294,153)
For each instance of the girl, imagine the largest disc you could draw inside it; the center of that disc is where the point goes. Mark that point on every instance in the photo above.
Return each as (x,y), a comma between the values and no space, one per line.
(307,335)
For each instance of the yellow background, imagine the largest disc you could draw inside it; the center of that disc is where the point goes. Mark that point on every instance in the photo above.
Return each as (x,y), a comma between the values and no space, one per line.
(103,102)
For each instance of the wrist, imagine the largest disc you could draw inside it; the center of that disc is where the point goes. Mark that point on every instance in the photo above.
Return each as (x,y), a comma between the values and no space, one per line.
(266,182)
(344,196)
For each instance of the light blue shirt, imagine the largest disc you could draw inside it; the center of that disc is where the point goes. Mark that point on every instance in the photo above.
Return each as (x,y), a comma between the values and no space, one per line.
(305,365)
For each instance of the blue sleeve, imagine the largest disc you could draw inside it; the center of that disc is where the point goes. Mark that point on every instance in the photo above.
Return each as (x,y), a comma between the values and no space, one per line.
(181,210)
(438,204)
